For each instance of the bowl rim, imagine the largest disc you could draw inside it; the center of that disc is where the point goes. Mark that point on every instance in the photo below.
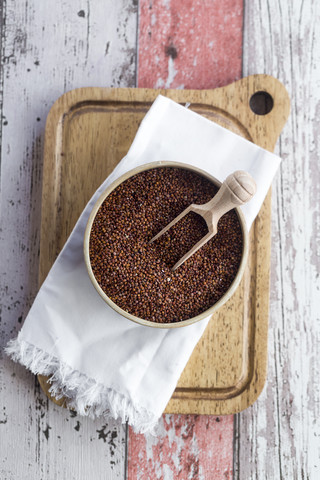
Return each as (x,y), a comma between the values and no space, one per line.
(148,323)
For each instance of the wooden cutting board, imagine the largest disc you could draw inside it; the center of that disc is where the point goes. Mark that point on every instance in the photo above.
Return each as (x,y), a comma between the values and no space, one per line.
(88,131)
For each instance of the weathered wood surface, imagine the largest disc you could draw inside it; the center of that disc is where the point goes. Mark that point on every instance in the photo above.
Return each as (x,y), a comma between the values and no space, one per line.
(175,41)
(186,447)
(189,44)
(48,48)
(279,436)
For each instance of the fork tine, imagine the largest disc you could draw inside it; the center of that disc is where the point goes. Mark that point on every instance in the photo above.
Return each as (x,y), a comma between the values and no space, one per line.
(174,221)
(193,249)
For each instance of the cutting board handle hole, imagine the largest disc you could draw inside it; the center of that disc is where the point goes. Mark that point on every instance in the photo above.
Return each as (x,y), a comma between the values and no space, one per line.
(261,103)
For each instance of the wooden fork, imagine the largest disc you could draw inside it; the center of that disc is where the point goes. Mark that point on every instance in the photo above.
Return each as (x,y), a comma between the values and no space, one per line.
(237,189)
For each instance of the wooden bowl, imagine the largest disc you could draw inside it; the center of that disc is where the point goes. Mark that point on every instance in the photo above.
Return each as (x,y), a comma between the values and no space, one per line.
(142,321)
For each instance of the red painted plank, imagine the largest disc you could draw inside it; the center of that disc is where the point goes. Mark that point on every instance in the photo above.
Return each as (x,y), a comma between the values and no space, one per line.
(187,447)
(189,43)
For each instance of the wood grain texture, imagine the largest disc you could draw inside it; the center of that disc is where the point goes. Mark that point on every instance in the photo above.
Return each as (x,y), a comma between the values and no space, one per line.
(279,436)
(173,51)
(189,43)
(186,447)
(88,131)
(48,48)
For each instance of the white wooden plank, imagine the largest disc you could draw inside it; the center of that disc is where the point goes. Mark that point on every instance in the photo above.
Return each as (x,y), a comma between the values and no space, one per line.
(48,47)
(40,440)
(278,437)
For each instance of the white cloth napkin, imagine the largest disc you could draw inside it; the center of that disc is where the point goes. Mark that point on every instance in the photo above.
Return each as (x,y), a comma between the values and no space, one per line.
(103,362)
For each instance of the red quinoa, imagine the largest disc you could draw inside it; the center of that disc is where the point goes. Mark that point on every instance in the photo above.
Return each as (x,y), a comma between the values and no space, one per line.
(136,275)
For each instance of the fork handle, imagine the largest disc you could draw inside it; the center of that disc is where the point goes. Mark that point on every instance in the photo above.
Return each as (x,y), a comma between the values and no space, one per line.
(237,189)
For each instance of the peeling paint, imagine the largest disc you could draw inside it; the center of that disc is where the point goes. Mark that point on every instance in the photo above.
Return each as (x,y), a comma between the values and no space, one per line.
(184,34)
(45,52)
(278,437)
(183,449)
(46,431)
